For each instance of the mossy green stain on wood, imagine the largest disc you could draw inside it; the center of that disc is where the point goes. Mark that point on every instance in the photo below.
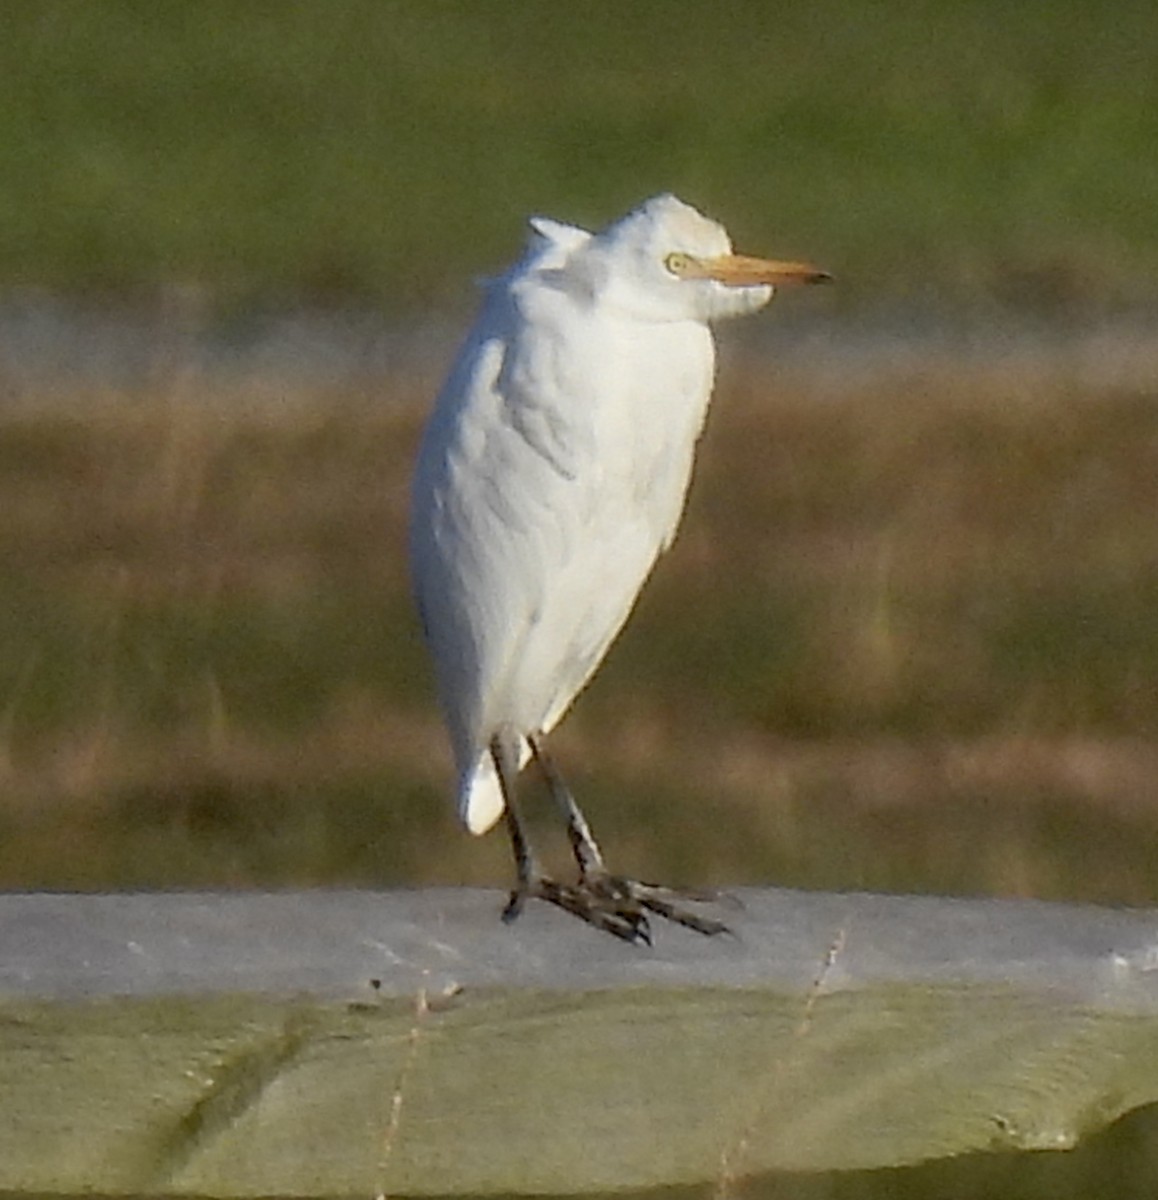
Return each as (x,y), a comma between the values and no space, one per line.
(546,1092)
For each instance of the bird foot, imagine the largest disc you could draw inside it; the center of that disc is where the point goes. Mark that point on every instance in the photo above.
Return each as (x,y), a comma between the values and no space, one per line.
(617,905)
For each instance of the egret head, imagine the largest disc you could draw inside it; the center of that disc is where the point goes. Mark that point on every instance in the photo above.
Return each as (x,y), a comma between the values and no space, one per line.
(666,261)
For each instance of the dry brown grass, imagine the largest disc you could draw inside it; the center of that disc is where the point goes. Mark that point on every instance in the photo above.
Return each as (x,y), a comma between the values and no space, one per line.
(908,638)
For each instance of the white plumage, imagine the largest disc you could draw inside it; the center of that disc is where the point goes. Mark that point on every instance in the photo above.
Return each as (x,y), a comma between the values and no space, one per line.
(554,467)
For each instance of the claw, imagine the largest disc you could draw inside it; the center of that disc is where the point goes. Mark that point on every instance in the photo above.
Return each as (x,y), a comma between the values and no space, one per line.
(617,905)
(662,901)
(514,906)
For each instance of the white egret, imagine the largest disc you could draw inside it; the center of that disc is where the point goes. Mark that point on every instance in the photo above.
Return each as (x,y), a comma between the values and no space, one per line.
(551,476)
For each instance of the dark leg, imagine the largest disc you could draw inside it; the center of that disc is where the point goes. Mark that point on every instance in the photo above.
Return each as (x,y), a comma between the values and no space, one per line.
(623,919)
(583,844)
(624,896)
(504,751)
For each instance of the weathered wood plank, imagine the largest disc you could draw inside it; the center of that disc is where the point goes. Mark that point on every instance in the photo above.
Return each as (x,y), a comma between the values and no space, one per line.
(408,1043)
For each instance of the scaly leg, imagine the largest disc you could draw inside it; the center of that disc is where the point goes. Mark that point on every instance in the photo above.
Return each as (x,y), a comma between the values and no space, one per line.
(505,752)
(583,844)
(625,897)
(625,921)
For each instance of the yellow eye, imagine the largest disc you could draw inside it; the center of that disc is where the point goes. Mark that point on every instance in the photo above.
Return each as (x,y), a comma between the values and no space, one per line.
(678,264)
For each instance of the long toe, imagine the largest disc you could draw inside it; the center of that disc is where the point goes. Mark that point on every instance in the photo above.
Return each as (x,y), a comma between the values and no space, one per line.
(657,900)
(664,902)
(614,912)
(622,917)
(619,906)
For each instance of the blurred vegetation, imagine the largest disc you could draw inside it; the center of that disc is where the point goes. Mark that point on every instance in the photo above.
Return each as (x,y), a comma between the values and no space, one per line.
(972,151)
(931,665)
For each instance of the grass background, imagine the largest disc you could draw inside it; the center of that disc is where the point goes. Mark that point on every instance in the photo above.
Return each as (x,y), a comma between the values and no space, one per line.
(975,152)
(908,638)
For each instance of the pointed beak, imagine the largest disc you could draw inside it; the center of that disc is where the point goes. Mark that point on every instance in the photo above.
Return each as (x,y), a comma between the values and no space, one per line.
(738,270)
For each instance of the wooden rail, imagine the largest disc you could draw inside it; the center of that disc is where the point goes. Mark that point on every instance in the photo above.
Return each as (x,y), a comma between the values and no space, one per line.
(408,1043)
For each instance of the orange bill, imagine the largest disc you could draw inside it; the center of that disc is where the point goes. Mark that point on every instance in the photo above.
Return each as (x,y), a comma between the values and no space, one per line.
(739,270)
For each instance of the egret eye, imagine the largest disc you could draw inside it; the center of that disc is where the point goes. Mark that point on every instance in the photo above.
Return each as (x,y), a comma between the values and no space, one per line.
(679,264)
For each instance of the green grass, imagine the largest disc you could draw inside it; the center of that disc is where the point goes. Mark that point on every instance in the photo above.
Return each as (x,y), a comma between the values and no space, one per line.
(973,151)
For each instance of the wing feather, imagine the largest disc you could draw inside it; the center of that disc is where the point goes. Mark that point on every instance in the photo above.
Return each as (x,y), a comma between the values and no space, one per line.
(543,496)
